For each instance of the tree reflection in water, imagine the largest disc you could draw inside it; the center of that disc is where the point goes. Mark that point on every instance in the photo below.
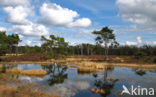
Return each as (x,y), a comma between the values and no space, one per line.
(105,86)
(57,73)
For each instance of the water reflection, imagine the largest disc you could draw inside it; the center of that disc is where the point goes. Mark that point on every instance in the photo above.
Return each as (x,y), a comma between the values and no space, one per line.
(100,84)
(30,79)
(57,73)
(23,66)
(104,86)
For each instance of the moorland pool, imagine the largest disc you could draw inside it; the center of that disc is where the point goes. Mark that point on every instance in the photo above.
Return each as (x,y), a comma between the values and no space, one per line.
(68,82)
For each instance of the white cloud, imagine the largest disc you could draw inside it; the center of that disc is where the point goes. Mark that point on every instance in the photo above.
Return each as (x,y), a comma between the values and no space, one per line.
(139,40)
(28,42)
(21,36)
(131,43)
(31,30)
(18,14)
(3,29)
(18,11)
(140,12)
(66,89)
(83,22)
(154,42)
(53,14)
(32,42)
(86,31)
(136,28)
(14,2)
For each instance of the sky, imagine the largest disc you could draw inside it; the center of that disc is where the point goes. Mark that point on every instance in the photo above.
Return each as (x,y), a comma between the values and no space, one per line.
(133,21)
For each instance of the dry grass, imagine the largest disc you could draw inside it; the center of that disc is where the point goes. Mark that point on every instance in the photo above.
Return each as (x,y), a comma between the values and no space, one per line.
(21,91)
(101,65)
(98,62)
(1,66)
(86,69)
(25,57)
(13,70)
(96,65)
(8,78)
(77,58)
(14,54)
(28,62)
(113,59)
(32,72)
(87,66)
(42,58)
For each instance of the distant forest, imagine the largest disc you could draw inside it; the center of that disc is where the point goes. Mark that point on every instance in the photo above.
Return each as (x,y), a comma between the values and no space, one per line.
(56,46)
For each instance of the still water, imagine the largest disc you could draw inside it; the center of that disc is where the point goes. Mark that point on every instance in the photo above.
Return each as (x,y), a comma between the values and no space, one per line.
(68,82)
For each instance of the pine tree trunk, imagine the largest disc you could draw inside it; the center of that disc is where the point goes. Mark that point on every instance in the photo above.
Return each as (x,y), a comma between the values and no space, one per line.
(105,74)
(88,50)
(106,50)
(81,49)
(16,49)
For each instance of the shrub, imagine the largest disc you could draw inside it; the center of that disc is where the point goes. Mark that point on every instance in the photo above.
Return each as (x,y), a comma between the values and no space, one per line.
(140,54)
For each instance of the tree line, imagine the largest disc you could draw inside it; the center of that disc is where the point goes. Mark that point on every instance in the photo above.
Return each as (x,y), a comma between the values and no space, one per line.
(8,43)
(54,46)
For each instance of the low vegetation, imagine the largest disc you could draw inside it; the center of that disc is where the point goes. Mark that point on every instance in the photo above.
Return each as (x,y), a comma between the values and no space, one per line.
(23,90)
(86,69)
(32,72)
(112,59)
(25,57)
